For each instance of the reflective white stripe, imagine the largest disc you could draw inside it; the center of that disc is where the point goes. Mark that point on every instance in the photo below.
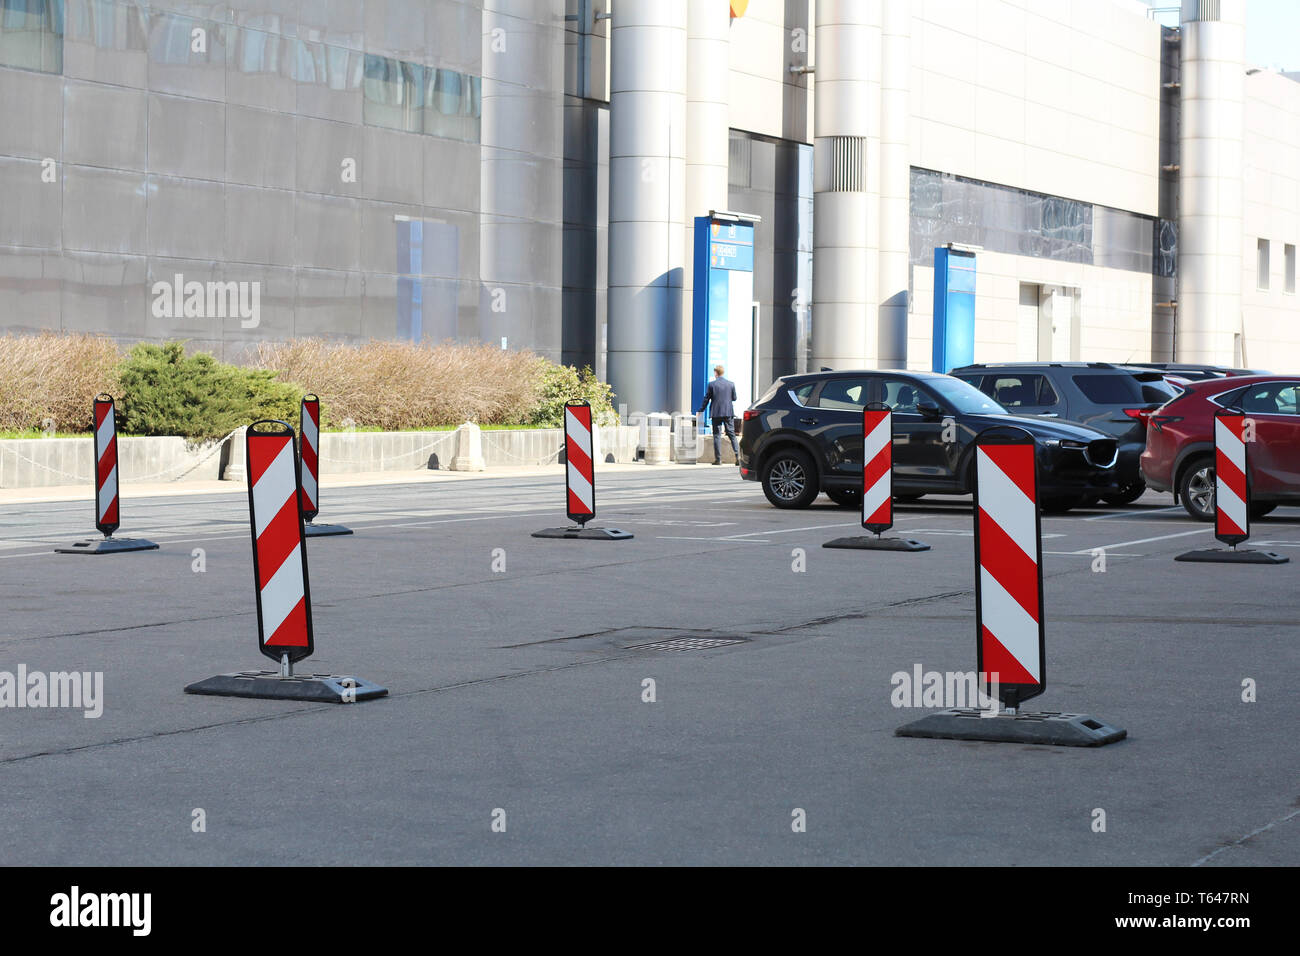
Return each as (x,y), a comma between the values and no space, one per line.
(876,496)
(1233,508)
(580,486)
(880,436)
(309,484)
(107,493)
(309,430)
(578,432)
(1233,448)
(282,593)
(273,489)
(1009,623)
(103,435)
(1007,505)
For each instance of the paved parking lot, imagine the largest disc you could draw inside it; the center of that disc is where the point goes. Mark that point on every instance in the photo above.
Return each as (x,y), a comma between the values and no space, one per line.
(521,691)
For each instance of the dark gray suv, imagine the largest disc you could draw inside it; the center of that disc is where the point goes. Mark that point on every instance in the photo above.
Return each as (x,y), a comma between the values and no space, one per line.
(1115,399)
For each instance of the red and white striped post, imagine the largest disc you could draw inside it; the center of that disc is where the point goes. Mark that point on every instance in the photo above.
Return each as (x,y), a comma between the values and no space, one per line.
(309,430)
(280,581)
(107,497)
(579,471)
(877,485)
(877,469)
(1010,646)
(580,478)
(1009,566)
(1231,486)
(275,517)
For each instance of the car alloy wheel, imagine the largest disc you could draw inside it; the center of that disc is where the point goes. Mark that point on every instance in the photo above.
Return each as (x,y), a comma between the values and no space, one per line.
(1197,491)
(788,479)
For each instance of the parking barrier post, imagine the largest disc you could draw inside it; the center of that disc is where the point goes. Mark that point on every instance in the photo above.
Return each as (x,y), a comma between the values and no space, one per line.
(309,432)
(580,478)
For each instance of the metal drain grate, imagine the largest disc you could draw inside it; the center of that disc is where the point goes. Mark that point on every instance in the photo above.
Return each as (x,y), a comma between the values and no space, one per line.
(686,644)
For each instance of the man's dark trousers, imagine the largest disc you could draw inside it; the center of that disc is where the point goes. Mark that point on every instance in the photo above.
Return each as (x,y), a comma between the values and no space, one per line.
(729,424)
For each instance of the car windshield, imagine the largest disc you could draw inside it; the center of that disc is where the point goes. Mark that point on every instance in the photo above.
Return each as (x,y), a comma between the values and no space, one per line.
(964,398)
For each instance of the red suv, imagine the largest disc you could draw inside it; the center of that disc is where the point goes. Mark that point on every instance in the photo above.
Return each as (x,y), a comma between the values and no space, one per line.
(1179,456)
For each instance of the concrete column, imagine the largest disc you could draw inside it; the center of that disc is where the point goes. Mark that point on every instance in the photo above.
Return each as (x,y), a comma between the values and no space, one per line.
(469,449)
(895,183)
(1210,227)
(647,200)
(844,270)
(708,73)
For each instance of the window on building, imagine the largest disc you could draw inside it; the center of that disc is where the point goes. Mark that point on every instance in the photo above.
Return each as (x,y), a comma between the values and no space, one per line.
(1261,264)
(31,34)
(1288,263)
(421,99)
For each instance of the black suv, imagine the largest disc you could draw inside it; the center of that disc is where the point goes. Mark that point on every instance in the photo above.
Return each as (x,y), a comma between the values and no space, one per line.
(1115,399)
(805,435)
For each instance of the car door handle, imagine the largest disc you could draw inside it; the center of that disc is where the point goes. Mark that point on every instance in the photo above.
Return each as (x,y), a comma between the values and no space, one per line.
(807,421)
(1051,415)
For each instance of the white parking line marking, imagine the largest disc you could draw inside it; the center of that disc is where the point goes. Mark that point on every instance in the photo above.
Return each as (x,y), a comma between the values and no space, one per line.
(1133,514)
(1161,537)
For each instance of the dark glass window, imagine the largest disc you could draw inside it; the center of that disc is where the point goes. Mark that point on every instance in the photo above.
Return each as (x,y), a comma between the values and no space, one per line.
(844,393)
(1275,398)
(1117,389)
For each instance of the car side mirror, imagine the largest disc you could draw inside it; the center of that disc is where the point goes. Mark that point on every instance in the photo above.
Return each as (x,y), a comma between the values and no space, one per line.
(929,411)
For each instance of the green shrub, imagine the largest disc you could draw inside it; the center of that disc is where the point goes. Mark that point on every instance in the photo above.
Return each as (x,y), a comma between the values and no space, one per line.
(562,383)
(166,392)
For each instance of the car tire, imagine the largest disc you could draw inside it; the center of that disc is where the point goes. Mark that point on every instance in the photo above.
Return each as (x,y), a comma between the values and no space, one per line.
(845,497)
(1259,509)
(1126,495)
(1060,504)
(789,480)
(1196,488)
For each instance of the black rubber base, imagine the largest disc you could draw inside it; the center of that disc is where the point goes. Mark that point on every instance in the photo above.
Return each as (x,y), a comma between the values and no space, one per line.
(323,688)
(1053,729)
(591,534)
(323,530)
(108,546)
(871,543)
(1233,556)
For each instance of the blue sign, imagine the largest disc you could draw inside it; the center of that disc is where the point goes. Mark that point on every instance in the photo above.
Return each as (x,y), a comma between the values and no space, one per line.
(723,323)
(954,309)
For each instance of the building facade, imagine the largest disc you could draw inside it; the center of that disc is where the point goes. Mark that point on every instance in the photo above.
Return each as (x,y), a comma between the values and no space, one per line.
(526,172)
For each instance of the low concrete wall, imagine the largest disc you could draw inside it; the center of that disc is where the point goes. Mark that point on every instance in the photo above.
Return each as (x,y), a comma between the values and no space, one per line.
(41,462)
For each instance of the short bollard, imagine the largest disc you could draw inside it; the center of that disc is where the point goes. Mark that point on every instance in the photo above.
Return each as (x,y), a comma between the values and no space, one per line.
(580,479)
(877,486)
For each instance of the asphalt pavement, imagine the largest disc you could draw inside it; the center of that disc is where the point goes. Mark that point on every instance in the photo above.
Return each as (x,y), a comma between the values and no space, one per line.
(518,727)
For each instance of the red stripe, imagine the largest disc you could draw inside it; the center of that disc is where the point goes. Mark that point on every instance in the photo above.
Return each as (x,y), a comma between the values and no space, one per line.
(101,412)
(312,410)
(110,513)
(578,458)
(1009,565)
(577,506)
(1225,527)
(262,450)
(876,469)
(996,659)
(882,515)
(1017,462)
(107,461)
(277,541)
(1236,424)
(1230,473)
(293,631)
(582,413)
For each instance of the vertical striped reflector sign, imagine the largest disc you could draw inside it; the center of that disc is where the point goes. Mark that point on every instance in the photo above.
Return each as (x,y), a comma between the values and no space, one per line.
(877,485)
(1008,567)
(1011,666)
(1234,433)
(309,430)
(107,499)
(283,595)
(580,478)
(279,556)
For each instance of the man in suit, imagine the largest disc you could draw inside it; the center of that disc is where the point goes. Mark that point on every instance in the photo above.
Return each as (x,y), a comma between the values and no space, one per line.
(720,394)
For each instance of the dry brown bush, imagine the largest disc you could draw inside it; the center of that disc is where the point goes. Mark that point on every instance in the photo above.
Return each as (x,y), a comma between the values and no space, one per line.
(402,385)
(54,375)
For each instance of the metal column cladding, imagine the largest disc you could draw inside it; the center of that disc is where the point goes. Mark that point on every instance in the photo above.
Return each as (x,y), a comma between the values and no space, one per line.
(954,309)
(1008,565)
(723,329)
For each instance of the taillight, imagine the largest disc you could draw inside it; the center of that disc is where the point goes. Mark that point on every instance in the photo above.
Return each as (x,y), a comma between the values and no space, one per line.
(750,414)
(1141,414)
(1157,421)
